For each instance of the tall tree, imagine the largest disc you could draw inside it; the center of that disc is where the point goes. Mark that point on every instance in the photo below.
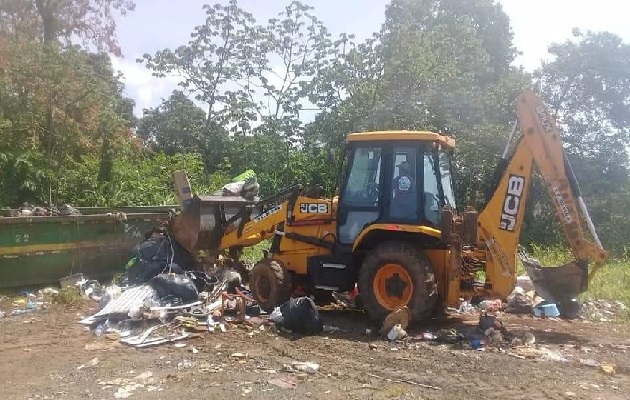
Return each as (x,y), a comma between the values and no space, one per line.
(175,126)
(91,21)
(443,66)
(587,85)
(58,101)
(223,51)
(297,45)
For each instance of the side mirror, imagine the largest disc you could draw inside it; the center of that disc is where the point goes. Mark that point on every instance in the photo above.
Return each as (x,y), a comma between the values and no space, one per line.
(330,157)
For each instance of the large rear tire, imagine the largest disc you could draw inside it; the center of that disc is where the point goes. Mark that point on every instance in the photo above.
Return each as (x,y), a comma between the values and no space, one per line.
(270,284)
(397,274)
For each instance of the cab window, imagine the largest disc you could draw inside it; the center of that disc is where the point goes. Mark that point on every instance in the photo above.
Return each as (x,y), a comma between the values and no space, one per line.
(363,180)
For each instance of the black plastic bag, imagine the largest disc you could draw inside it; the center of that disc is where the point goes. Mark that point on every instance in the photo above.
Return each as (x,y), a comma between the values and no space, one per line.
(203,281)
(175,285)
(300,315)
(154,256)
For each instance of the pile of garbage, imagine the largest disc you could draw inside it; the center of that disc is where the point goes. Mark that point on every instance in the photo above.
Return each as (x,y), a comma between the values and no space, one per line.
(30,210)
(30,302)
(162,299)
(172,307)
(489,332)
(522,300)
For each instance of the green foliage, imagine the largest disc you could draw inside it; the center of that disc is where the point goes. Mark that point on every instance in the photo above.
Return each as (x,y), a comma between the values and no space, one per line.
(67,104)
(254,254)
(176,126)
(69,296)
(65,21)
(142,180)
(586,85)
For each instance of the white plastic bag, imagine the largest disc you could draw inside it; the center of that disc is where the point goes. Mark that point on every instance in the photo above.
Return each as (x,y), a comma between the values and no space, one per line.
(276,316)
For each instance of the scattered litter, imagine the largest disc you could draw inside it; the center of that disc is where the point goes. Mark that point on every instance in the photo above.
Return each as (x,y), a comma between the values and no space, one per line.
(330,329)
(283,383)
(546,310)
(194,350)
(608,369)
(602,310)
(185,364)
(429,336)
(299,315)
(145,340)
(397,333)
(398,317)
(491,305)
(92,363)
(475,343)
(549,355)
(239,356)
(541,353)
(590,362)
(127,386)
(180,345)
(347,299)
(122,305)
(520,301)
(308,367)
(465,307)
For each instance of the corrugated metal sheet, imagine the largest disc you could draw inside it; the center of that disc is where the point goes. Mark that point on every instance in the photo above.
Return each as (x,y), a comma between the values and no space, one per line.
(123,304)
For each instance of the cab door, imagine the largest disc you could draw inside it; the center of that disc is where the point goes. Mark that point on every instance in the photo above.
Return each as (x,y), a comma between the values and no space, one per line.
(404,203)
(360,198)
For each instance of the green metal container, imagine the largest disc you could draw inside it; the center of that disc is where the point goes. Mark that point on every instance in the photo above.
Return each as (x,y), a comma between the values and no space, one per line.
(42,250)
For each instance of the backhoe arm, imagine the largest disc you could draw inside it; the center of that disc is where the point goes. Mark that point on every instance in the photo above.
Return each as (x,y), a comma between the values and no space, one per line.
(542,137)
(501,220)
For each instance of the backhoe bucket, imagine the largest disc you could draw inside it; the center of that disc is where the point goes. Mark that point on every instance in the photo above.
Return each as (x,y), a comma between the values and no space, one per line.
(205,220)
(557,284)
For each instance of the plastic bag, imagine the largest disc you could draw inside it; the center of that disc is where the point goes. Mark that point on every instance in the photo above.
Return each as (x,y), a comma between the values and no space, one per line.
(175,285)
(300,315)
(245,185)
(276,316)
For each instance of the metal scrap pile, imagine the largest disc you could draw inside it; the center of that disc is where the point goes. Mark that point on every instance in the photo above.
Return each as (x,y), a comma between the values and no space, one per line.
(163,310)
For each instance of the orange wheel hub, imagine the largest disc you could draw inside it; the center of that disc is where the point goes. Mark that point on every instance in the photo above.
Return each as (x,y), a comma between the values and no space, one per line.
(392,286)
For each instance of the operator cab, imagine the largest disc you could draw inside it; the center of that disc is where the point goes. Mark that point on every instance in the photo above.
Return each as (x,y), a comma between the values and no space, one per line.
(396,177)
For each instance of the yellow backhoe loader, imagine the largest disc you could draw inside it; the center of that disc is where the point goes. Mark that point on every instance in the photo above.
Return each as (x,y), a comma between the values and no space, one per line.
(395,229)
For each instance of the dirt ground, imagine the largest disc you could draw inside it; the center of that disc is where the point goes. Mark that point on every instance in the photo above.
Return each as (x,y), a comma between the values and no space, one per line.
(48,355)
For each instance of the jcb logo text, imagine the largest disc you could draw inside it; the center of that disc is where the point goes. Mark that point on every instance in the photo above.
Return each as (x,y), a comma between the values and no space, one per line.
(314,208)
(512,202)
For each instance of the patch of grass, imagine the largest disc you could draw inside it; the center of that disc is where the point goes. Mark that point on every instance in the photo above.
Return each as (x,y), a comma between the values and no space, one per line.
(69,296)
(611,282)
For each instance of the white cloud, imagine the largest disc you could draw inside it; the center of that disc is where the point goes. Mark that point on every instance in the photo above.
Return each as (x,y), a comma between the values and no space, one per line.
(141,85)
(538,23)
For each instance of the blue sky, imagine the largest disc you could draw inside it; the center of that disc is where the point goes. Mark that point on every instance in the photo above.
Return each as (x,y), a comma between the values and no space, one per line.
(158,24)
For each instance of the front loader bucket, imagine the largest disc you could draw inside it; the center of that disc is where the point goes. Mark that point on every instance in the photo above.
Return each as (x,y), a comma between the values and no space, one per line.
(205,220)
(557,284)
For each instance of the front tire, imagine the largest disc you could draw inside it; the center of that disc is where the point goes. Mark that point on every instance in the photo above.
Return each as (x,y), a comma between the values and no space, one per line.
(397,274)
(270,284)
